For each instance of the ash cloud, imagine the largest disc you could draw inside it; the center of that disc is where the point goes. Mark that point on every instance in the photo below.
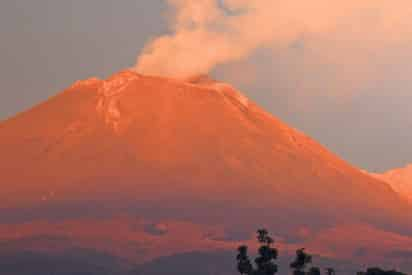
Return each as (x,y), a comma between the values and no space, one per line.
(207,33)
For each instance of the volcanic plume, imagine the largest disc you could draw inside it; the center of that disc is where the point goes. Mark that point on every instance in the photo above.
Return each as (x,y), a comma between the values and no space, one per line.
(175,154)
(206,33)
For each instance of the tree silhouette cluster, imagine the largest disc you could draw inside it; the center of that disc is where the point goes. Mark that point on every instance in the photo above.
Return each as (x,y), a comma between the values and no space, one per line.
(301,262)
(264,263)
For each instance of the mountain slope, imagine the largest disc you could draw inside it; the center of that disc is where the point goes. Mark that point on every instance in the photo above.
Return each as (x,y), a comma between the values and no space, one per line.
(184,150)
(400,179)
(194,139)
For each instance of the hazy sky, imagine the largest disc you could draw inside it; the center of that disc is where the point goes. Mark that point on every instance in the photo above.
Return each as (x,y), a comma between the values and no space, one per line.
(348,85)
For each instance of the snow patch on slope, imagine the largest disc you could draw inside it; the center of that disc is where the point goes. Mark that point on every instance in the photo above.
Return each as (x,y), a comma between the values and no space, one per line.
(223,88)
(87,82)
(109,93)
(226,88)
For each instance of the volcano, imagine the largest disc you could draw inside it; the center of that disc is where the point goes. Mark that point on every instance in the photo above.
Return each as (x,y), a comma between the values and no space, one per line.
(178,160)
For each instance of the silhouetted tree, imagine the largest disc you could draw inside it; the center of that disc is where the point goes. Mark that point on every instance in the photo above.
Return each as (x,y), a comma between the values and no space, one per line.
(301,261)
(265,261)
(243,262)
(267,254)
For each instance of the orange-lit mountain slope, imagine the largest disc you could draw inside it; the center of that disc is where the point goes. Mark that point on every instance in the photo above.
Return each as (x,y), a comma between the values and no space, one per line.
(400,179)
(134,141)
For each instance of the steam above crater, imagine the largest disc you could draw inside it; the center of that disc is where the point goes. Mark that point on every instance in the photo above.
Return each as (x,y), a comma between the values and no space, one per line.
(206,33)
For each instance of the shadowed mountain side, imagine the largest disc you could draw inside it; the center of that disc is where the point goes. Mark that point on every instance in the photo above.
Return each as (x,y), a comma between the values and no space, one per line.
(238,219)
(141,241)
(222,263)
(88,262)
(71,262)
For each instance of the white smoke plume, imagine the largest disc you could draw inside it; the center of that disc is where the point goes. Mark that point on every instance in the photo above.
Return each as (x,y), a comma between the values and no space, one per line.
(207,33)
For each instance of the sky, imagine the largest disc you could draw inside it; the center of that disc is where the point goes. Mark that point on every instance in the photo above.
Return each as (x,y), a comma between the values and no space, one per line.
(340,72)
